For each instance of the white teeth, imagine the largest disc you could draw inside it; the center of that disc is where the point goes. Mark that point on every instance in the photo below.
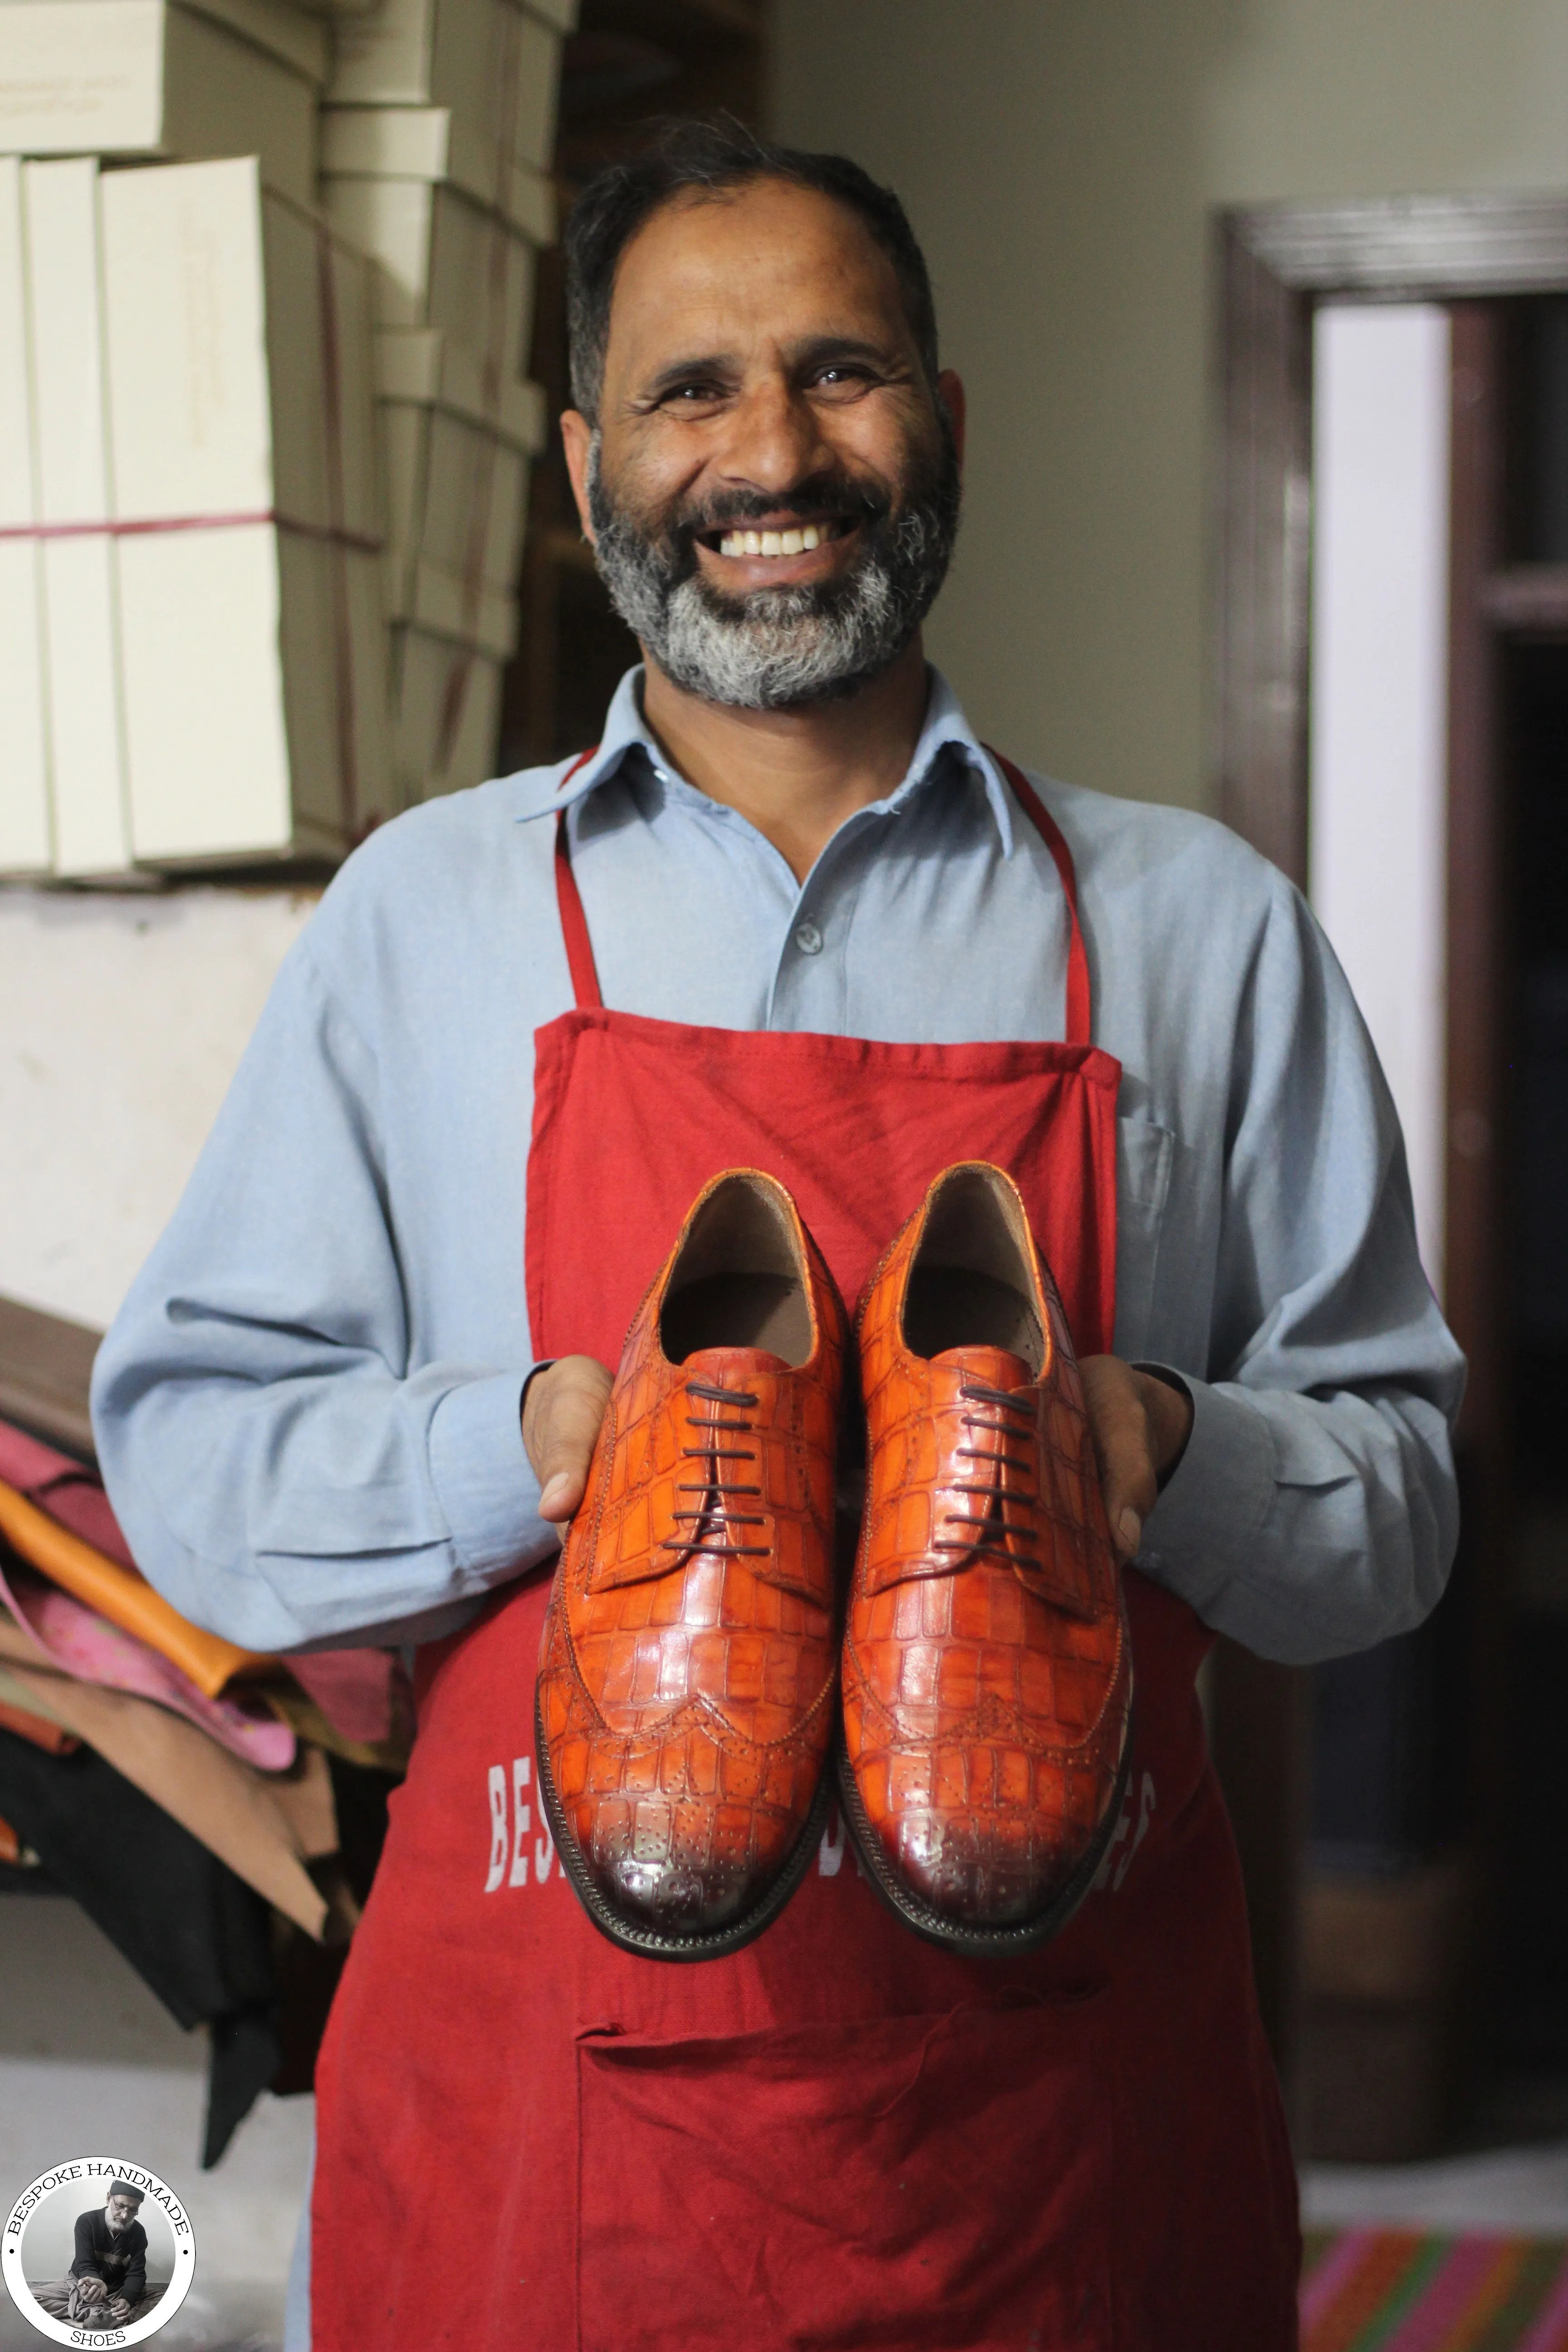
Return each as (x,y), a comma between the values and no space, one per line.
(775,543)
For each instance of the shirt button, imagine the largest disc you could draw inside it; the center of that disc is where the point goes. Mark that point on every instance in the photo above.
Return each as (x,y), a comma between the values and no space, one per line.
(808,939)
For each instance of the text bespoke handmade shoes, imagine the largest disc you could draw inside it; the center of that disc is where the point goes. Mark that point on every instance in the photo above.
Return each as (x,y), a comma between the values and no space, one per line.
(689,1651)
(987,1671)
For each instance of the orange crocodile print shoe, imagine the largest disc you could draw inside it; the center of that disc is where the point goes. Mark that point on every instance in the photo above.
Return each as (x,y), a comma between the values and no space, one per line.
(987,1671)
(689,1652)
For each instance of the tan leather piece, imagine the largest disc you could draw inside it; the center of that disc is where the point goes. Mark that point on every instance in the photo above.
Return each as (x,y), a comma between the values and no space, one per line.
(986,1673)
(264,1828)
(687,1664)
(118,1593)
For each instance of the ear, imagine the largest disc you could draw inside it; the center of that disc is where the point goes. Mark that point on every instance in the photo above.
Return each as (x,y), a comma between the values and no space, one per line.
(951,392)
(577,434)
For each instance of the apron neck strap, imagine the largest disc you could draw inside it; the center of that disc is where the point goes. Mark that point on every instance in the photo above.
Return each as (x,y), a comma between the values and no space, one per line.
(569,899)
(580,947)
(1079,1022)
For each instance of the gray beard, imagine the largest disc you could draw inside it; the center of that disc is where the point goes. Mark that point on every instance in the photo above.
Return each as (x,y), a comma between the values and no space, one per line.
(778,647)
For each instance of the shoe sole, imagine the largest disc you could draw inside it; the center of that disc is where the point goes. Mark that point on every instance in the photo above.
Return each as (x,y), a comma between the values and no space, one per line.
(979,1943)
(656,1943)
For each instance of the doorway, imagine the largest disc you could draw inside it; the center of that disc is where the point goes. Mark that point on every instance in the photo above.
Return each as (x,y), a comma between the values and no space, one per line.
(1407,1811)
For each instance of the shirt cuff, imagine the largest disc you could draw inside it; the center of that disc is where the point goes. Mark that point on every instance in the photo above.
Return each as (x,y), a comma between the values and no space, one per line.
(483,1478)
(1204,1529)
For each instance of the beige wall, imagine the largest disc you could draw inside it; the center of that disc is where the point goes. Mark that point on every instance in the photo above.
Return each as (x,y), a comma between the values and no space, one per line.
(1060,159)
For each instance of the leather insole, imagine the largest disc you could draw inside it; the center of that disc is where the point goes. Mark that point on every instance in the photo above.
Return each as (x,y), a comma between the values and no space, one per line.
(737,1310)
(951,1307)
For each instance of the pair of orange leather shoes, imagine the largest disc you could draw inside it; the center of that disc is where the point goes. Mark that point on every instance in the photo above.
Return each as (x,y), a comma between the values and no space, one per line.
(693,1647)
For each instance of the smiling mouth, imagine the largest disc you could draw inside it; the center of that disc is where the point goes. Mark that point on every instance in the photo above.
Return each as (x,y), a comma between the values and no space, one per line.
(799,540)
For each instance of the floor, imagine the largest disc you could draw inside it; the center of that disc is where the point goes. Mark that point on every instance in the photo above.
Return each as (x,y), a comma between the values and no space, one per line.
(91,2064)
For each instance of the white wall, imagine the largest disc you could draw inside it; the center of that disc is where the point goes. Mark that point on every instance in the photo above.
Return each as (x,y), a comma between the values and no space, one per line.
(1061,160)
(123,1019)
(1379,768)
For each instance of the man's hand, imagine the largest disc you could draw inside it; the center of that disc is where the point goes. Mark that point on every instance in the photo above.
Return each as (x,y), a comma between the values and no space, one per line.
(1140,1426)
(561,1409)
(91,2288)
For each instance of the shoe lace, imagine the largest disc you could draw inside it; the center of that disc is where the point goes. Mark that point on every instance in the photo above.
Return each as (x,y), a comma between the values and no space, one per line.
(1009,1420)
(713,1523)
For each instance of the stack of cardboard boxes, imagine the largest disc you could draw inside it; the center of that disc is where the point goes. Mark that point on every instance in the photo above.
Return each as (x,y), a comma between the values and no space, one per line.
(436,137)
(263,466)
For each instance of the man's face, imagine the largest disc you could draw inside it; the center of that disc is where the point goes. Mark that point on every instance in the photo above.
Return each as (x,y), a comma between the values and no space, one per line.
(121,2210)
(774,488)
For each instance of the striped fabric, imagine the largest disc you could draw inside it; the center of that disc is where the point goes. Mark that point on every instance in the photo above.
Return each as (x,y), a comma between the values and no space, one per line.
(1391,2291)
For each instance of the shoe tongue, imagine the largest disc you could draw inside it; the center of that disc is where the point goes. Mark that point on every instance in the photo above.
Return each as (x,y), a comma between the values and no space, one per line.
(726,1365)
(998,1368)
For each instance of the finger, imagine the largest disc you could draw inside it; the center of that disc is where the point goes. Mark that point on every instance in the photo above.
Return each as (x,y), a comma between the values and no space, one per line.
(1118,1424)
(561,1417)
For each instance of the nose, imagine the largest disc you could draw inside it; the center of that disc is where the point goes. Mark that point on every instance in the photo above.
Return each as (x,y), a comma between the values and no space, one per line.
(774,440)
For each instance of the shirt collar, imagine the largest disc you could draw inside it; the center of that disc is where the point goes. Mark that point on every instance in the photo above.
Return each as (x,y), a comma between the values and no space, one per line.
(946,730)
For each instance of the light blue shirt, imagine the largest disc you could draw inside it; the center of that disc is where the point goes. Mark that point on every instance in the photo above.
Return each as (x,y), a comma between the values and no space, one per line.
(307,1409)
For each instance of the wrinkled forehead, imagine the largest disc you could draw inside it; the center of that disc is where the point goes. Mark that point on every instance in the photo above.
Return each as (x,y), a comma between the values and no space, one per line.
(747,273)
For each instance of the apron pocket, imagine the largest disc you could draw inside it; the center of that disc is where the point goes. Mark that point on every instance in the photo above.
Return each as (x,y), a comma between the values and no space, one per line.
(941,2181)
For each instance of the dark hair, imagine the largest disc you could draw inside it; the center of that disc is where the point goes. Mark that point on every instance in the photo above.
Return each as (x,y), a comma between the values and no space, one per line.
(712,155)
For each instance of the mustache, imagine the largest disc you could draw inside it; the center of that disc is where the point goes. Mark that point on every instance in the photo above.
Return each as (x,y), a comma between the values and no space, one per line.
(830,497)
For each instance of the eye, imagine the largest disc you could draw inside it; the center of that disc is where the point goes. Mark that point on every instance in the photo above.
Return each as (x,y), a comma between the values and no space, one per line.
(695,395)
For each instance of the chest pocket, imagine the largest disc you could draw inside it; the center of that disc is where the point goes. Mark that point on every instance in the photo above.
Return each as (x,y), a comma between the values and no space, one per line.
(1144,1156)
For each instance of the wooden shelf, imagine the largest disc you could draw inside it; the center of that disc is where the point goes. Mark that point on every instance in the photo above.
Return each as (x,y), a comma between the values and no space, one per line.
(46,1364)
(1528,600)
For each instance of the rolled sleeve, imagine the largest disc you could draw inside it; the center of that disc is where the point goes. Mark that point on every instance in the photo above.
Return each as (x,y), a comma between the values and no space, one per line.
(1205,1526)
(483,1479)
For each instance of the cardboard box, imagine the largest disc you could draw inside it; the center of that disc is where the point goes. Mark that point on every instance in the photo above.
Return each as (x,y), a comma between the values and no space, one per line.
(495,68)
(448,714)
(143,78)
(253,628)
(283,30)
(81,670)
(26,843)
(458,606)
(456,498)
(418,363)
(446,262)
(431,144)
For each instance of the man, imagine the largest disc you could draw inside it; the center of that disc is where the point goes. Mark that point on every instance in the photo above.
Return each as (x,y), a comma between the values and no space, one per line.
(106,2286)
(791,913)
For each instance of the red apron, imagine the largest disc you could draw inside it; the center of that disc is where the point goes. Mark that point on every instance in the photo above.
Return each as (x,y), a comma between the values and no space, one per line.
(840,2136)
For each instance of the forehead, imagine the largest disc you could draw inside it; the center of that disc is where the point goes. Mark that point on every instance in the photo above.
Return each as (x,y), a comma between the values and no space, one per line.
(767,262)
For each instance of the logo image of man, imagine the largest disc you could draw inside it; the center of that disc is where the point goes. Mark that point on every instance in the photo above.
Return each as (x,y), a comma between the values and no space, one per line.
(106,2286)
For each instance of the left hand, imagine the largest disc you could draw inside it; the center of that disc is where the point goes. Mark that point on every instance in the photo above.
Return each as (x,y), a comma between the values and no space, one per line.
(1140,1427)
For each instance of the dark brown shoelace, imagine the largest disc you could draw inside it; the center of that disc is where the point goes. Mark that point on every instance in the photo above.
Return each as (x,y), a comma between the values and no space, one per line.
(714,1523)
(999,1536)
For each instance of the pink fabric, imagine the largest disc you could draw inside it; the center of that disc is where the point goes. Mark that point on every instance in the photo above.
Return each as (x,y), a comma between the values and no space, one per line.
(89,1648)
(86,1645)
(352,1688)
(70,1493)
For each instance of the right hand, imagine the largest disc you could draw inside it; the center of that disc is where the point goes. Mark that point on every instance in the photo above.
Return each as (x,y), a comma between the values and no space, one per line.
(562,1410)
(93,2290)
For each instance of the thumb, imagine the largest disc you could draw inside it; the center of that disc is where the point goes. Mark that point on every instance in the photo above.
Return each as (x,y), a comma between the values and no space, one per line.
(562,1409)
(1118,1426)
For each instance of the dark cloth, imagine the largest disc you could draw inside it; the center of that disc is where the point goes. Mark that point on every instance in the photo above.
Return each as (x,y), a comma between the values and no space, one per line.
(120,2262)
(195,1933)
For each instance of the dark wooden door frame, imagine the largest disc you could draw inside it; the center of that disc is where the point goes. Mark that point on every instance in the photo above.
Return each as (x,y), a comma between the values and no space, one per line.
(1273,264)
